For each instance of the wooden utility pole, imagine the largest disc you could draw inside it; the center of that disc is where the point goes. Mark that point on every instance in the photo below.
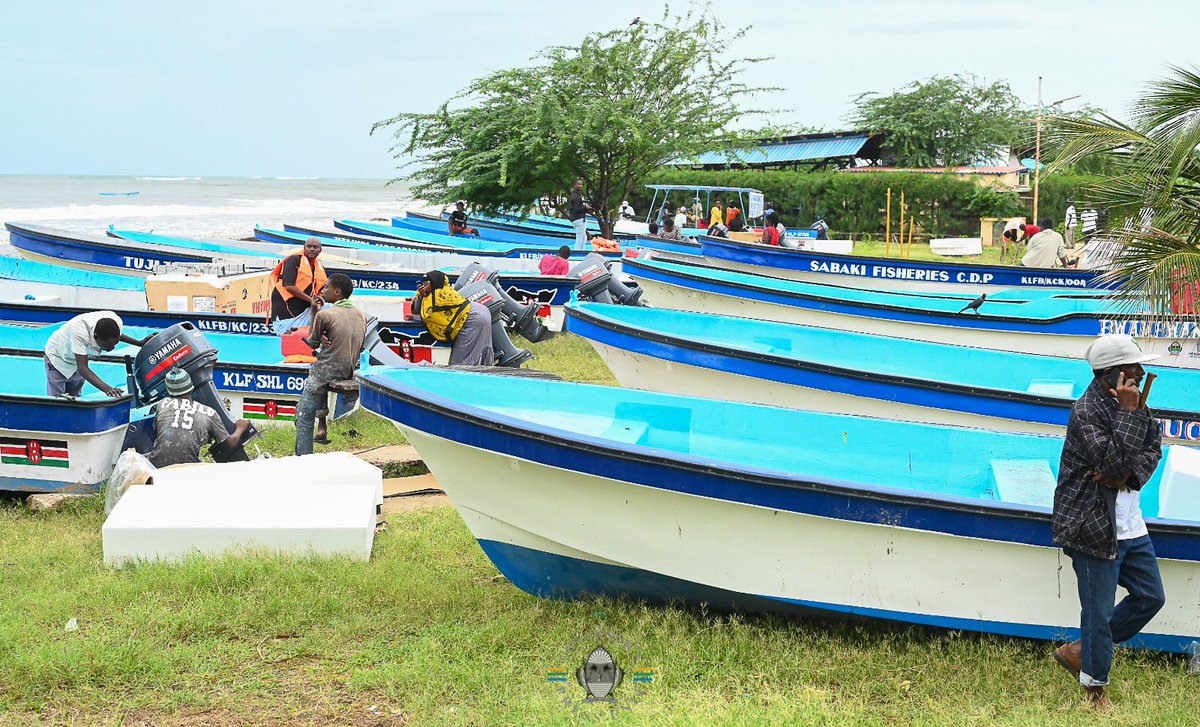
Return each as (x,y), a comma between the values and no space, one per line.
(887,226)
(1037,153)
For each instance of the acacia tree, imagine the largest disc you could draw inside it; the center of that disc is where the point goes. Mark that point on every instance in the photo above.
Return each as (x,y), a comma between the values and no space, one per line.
(1151,190)
(945,120)
(607,111)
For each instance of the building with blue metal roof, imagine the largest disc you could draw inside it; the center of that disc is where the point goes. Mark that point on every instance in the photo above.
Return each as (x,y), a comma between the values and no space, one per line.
(837,150)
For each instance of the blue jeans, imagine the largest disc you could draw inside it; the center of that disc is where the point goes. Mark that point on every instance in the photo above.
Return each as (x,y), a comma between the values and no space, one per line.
(1101,625)
(581,239)
(312,400)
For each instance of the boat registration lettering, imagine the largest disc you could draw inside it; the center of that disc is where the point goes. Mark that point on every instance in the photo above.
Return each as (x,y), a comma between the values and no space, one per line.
(376,284)
(232,326)
(1151,329)
(248,381)
(1189,431)
(1055,282)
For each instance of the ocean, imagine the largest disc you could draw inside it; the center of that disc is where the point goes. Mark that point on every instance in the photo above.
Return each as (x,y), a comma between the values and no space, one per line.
(221,207)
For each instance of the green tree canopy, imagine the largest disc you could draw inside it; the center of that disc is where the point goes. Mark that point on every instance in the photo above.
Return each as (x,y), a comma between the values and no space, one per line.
(946,120)
(609,110)
(1152,193)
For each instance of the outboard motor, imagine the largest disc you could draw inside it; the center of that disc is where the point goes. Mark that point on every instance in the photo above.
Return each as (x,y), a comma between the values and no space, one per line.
(597,283)
(484,293)
(182,346)
(521,318)
(594,276)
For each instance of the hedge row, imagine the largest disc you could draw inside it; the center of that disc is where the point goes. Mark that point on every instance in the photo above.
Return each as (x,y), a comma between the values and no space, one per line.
(945,205)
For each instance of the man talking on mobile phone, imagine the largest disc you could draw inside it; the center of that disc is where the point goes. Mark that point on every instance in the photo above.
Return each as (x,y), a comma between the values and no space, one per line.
(1112,448)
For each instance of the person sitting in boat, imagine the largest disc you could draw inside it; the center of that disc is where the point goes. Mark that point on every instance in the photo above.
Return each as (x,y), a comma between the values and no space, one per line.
(182,426)
(68,349)
(771,234)
(652,228)
(1047,248)
(1112,448)
(734,219)
(336,337)
(454,320)
(669,230)
(556,263)
(627,212)
(297,280)
(458,221)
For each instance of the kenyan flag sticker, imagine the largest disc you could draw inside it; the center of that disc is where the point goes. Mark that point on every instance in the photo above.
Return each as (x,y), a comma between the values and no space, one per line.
(36,452)
(268,409)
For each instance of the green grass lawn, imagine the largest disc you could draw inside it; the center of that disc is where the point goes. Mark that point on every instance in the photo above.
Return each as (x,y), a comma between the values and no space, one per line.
(428,632)
(921,251)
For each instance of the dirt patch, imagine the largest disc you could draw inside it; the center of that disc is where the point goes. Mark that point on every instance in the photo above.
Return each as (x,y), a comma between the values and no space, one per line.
(405,494)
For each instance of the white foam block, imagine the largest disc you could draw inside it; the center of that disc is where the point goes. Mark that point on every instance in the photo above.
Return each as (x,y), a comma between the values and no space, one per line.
(168,523)
(332,468)
(956,246)
(1179,491)
(1024,481)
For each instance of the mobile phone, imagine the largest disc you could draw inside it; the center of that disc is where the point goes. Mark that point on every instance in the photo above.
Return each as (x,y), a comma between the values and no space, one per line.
(1112,377)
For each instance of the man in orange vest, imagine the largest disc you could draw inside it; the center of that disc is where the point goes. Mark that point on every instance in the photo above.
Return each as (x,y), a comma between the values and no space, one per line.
(298,280)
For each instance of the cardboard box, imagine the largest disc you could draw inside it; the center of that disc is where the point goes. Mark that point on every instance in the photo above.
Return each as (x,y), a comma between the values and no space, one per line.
(245,293)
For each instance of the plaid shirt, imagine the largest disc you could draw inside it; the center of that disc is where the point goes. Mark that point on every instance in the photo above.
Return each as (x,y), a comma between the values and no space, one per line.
(1101,437)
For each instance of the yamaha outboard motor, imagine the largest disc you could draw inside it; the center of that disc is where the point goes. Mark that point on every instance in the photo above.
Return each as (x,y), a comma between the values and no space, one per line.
(521,318)
(182,346)
(597,283)
(484,293)
(593,275)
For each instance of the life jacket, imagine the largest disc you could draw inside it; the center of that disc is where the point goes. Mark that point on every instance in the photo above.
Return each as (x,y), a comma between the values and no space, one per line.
(306,275)
(444,313)
(771,235)
(601,244)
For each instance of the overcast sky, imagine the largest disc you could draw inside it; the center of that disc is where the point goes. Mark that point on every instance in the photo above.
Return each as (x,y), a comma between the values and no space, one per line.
(249,88)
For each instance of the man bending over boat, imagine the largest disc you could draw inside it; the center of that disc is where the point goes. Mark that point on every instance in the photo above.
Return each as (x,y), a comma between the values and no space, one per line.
(336,336)
(458,221)
(297,280)
(67,352)
(1047,248)
(1112,448)
(182,426)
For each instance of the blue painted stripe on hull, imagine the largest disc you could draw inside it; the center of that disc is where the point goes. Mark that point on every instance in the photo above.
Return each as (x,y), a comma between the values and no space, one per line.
(549,575)
(47,414)
(30,484)
(893,269)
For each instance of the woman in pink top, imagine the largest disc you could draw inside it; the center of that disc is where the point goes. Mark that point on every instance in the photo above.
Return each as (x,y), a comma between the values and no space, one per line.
(556,264)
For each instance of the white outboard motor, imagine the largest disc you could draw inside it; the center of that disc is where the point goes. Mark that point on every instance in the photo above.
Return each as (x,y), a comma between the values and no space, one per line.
(182,346)
(521,318)
(484,293)
(598,284)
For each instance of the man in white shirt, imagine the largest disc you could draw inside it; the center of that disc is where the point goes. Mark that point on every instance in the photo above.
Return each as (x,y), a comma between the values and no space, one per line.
(680,218)
(627,212)
(1071,221)
(1047,249)
(67,352)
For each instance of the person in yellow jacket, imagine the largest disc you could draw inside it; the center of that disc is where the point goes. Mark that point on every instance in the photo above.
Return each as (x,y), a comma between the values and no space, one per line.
(297,281)
(718,214)
(451,318)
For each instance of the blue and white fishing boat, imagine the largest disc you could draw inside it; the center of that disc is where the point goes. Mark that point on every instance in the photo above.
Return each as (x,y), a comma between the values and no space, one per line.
(529,252)
(440,225)
(52,444)
(575,490)
(250,373)
(876,273)
(1022,320)
(33,282)
(854,373)
(108,254)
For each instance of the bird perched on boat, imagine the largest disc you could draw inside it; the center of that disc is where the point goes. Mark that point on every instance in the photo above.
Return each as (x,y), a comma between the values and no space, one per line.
(974,305)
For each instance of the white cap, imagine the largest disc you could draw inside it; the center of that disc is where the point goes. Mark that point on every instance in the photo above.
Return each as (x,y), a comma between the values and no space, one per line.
(1115,349)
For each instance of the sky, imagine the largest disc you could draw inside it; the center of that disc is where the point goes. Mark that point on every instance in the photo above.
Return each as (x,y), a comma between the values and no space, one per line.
(266,88)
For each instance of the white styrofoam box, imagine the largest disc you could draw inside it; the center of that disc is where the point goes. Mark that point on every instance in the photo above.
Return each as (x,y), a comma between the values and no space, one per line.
(1179,489)
(330,468)
(152,522)
(1024,481)
(956,246)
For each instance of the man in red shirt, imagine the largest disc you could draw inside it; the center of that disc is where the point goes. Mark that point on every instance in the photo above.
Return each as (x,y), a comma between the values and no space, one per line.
(556,264)
(1028,231)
